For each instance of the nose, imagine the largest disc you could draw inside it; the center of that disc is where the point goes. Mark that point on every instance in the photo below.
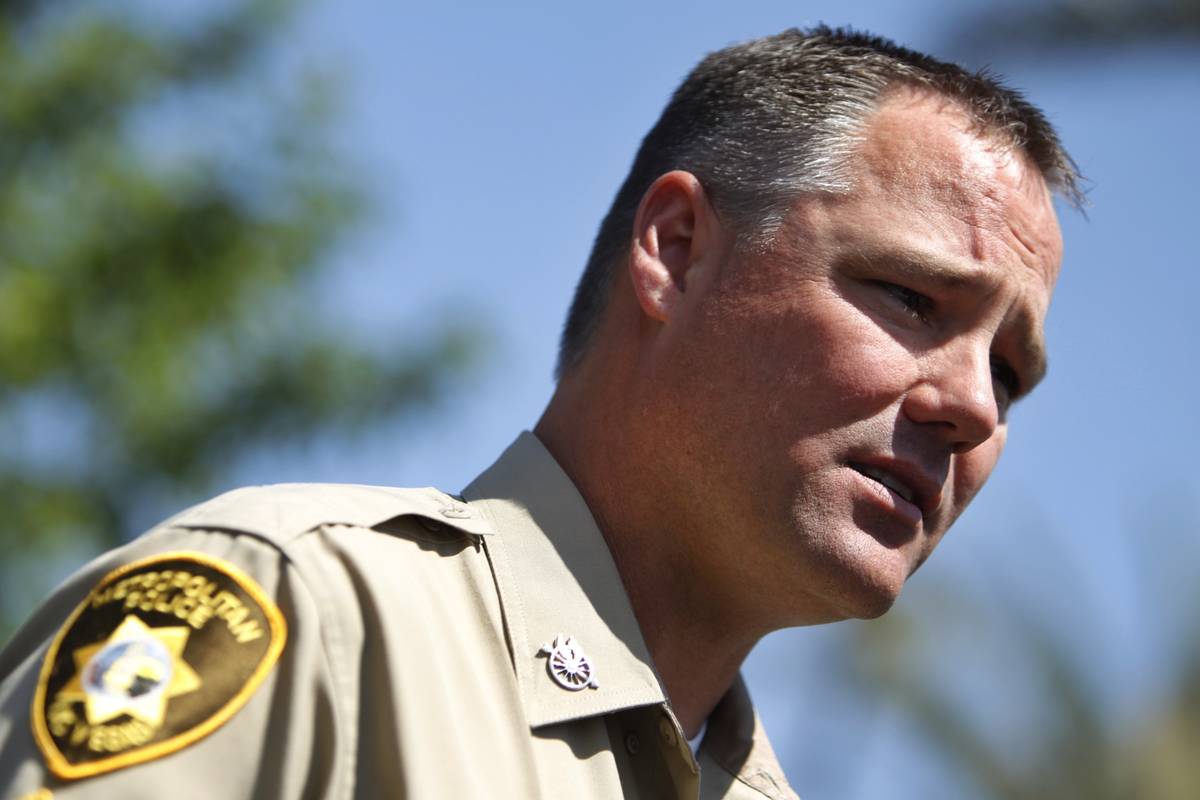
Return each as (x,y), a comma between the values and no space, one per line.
(956,394)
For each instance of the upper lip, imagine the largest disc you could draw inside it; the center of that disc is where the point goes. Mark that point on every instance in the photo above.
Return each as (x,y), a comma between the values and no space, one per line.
(920,486)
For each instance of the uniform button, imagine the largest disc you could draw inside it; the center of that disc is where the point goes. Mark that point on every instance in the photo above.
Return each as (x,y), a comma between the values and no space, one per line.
(632,743)
(456,512)
(668,731)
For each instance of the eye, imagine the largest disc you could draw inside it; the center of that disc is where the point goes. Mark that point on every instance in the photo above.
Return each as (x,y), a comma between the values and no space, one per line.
(1006,377)
(914,304)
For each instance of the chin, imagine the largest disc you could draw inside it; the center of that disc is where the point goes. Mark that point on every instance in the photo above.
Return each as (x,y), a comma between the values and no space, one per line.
(862,601)
(873,606)
(867,591)
(846,572)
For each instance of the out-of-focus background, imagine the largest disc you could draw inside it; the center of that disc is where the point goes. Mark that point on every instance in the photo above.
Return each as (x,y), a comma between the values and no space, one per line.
(252,241)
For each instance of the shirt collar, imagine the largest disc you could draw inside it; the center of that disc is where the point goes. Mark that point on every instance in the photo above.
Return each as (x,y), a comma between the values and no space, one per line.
(737,742)
(556,577)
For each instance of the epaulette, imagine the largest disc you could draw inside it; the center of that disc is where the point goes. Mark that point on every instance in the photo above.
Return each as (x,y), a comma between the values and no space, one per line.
(283,511)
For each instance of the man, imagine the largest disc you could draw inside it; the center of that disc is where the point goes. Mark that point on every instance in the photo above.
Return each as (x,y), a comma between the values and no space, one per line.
(786,371)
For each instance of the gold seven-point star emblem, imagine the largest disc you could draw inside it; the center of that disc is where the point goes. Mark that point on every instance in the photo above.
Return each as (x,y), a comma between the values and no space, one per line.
(135,671)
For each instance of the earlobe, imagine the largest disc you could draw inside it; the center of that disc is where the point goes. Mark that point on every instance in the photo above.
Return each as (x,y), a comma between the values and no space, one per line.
(671,232)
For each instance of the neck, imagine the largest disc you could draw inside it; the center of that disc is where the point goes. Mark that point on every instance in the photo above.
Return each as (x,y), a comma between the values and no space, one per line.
(696,652)
(697,641)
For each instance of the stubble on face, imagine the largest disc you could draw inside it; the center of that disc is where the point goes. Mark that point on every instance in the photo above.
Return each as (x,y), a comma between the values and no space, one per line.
(796,366)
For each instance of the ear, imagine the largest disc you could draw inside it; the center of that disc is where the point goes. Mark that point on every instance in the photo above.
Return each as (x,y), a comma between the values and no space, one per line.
(674,233)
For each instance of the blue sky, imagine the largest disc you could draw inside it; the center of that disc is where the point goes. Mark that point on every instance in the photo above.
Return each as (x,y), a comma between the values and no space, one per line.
(493,137)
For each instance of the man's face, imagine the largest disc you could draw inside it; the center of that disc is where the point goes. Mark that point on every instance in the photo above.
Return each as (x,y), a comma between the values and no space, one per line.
(841,396)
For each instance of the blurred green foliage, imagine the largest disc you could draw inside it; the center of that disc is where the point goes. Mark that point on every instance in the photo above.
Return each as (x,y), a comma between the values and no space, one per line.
(1005,27)
(1070,744)
(164,207)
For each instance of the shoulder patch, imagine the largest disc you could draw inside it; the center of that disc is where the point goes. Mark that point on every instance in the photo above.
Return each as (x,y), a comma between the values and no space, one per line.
(159,655)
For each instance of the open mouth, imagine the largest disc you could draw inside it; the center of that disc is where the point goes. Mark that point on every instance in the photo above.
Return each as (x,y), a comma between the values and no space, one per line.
(887,479)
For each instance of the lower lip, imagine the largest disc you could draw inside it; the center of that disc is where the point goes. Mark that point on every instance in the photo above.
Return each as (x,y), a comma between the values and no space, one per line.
(888,499)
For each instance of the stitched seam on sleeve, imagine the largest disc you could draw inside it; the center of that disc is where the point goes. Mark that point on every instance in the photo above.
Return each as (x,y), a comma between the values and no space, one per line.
(333,653)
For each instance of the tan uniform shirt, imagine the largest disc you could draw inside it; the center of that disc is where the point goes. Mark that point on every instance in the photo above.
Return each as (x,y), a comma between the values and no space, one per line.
(432,647)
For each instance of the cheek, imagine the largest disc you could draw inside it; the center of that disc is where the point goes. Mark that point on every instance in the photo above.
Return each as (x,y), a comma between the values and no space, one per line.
(853,364)
(970,472)
(972,469)
(804,363)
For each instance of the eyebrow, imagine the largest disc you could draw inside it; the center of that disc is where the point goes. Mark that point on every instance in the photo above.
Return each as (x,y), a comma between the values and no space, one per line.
(928,267)
(951,274)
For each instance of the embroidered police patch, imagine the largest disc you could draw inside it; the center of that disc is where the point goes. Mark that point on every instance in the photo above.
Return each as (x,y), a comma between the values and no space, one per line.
(160,654)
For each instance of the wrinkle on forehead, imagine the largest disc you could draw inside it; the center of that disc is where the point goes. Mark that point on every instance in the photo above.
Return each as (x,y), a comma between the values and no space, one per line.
(994,191)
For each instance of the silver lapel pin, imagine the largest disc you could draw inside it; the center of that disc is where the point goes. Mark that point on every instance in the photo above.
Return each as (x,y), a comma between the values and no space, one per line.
(568,665)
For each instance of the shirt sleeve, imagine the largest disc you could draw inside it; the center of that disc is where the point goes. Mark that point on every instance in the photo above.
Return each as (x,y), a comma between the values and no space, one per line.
(151,672)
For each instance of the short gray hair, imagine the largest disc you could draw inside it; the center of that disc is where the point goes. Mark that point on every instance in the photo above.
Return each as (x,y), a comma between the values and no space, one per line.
(762,123)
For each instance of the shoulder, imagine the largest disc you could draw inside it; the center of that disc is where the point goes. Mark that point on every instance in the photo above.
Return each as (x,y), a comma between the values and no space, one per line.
(224,597)
(282,512)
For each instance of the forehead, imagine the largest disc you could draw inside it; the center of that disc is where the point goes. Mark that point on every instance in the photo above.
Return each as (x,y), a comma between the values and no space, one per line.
(922,153)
